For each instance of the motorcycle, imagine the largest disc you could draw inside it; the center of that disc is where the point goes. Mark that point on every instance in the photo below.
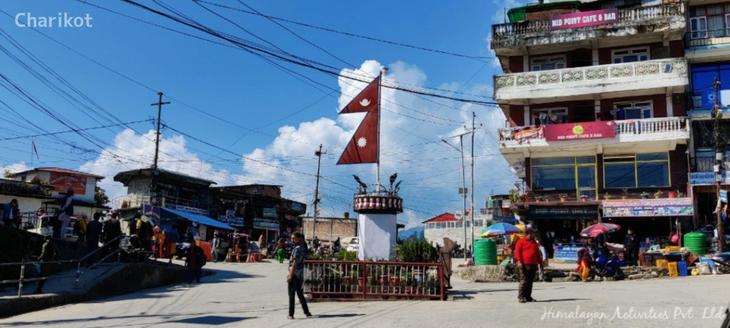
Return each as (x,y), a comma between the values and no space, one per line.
(607,266)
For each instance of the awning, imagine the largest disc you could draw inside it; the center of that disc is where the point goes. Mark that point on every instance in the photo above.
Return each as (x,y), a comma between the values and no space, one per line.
(198,218)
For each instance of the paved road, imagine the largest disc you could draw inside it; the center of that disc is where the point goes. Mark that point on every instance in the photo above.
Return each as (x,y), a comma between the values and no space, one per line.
(253,295)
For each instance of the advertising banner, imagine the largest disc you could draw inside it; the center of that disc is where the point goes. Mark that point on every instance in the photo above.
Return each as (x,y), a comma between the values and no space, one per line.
(648,207)
(580,131)
(584,19)
(63,182)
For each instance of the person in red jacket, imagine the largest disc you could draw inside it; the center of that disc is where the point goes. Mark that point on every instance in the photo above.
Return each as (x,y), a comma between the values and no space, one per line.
(527,257)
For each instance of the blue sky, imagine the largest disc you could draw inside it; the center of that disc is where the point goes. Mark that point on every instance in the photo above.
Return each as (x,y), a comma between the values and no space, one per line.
(291,117)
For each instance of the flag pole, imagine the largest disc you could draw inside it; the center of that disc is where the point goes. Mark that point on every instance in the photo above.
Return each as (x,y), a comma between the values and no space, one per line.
(380,82)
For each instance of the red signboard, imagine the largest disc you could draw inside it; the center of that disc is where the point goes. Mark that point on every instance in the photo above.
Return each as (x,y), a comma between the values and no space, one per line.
(580,131)
(584,19)
(64,182)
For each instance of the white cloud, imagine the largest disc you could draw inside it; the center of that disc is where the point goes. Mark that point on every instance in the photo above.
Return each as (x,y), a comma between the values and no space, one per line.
(13,168)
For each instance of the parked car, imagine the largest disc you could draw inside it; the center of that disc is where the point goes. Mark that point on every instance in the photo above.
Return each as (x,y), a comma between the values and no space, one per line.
(352,244)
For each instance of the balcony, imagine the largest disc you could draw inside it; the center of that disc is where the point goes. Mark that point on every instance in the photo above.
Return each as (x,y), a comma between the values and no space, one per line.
(582,82)
(707,46)
(589,138)
(629,22)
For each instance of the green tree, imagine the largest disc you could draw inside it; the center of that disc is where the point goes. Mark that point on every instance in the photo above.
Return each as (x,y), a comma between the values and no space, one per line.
(100,197)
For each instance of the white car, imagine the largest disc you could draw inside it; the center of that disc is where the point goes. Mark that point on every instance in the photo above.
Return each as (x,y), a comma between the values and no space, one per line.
(353,245)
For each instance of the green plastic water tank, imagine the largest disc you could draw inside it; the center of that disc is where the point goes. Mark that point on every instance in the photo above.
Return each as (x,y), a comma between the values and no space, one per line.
(696,242)
(485,252)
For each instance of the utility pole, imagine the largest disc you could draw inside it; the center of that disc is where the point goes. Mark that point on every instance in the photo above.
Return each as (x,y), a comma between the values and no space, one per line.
(719,166)
(463,190)
(319,154)
(159,104)
(473,127)
(155,199)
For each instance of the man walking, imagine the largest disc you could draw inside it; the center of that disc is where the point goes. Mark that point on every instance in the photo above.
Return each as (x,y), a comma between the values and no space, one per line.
(295,278)
(527,257)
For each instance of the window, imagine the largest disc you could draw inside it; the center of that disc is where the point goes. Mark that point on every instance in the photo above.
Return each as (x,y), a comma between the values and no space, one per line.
(565,173)
(630,55)
(631,110)
(636,171)
(544,63)
(549,116)
(698,27)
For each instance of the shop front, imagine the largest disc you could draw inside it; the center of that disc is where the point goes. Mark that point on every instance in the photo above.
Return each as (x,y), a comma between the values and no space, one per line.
(559,225)
(654,220)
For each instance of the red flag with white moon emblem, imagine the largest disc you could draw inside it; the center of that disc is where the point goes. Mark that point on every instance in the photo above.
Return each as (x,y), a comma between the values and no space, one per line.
(364,146)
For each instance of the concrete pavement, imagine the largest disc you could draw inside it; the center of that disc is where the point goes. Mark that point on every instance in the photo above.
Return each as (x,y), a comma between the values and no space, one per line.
(254,295)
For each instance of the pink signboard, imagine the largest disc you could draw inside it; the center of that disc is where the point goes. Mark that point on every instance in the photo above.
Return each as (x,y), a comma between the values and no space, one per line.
(580,131)
(584,19)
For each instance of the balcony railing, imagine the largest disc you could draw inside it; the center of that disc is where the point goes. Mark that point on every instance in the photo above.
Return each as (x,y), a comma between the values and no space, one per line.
(625,131)
(592,79)
(515,34)
(707,38)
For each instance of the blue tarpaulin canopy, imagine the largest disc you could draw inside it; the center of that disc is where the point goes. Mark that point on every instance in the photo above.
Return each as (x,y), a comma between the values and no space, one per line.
(198,218)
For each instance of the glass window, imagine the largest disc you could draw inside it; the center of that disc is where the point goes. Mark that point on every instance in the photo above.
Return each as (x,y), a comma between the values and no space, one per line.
(620,175)
(544,63)
(565,173)
(641,170)
(716,25)
(632,110)
(630,55)
(549,116)
(653,174)
(698,27)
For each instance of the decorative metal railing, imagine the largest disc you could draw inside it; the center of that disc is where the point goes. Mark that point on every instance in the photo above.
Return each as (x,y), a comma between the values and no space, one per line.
(649,127)
(594,74)
(374,280)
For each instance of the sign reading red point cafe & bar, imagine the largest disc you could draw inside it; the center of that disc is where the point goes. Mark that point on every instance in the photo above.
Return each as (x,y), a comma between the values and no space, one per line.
(580,131)
(584,19)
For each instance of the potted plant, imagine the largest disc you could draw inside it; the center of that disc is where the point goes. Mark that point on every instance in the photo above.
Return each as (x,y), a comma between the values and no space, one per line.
(672,194)
(644,195)
(563,197)
(658,194)
(680,194)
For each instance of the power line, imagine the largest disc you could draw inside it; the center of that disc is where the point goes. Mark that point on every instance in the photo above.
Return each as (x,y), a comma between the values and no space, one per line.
(73,131)
(296,61)
(350,34)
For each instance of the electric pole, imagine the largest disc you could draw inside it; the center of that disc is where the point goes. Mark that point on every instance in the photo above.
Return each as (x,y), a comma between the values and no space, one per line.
(319,154)
(464,192)
(473,129)
(719,166)
(159,104)
(155,196)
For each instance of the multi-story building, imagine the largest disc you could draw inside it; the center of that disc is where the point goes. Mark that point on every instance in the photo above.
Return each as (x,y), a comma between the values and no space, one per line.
(594,95)
(708,53)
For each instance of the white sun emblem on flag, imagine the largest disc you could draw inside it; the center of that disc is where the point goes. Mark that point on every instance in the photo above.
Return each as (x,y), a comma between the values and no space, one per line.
(362,142)
(365,102)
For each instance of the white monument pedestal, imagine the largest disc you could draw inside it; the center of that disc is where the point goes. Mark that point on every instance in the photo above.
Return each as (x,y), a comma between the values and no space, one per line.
(377,219)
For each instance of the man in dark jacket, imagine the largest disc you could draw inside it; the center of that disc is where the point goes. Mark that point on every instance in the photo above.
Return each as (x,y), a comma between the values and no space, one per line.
(631,246)
(527,257)
(112,229)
